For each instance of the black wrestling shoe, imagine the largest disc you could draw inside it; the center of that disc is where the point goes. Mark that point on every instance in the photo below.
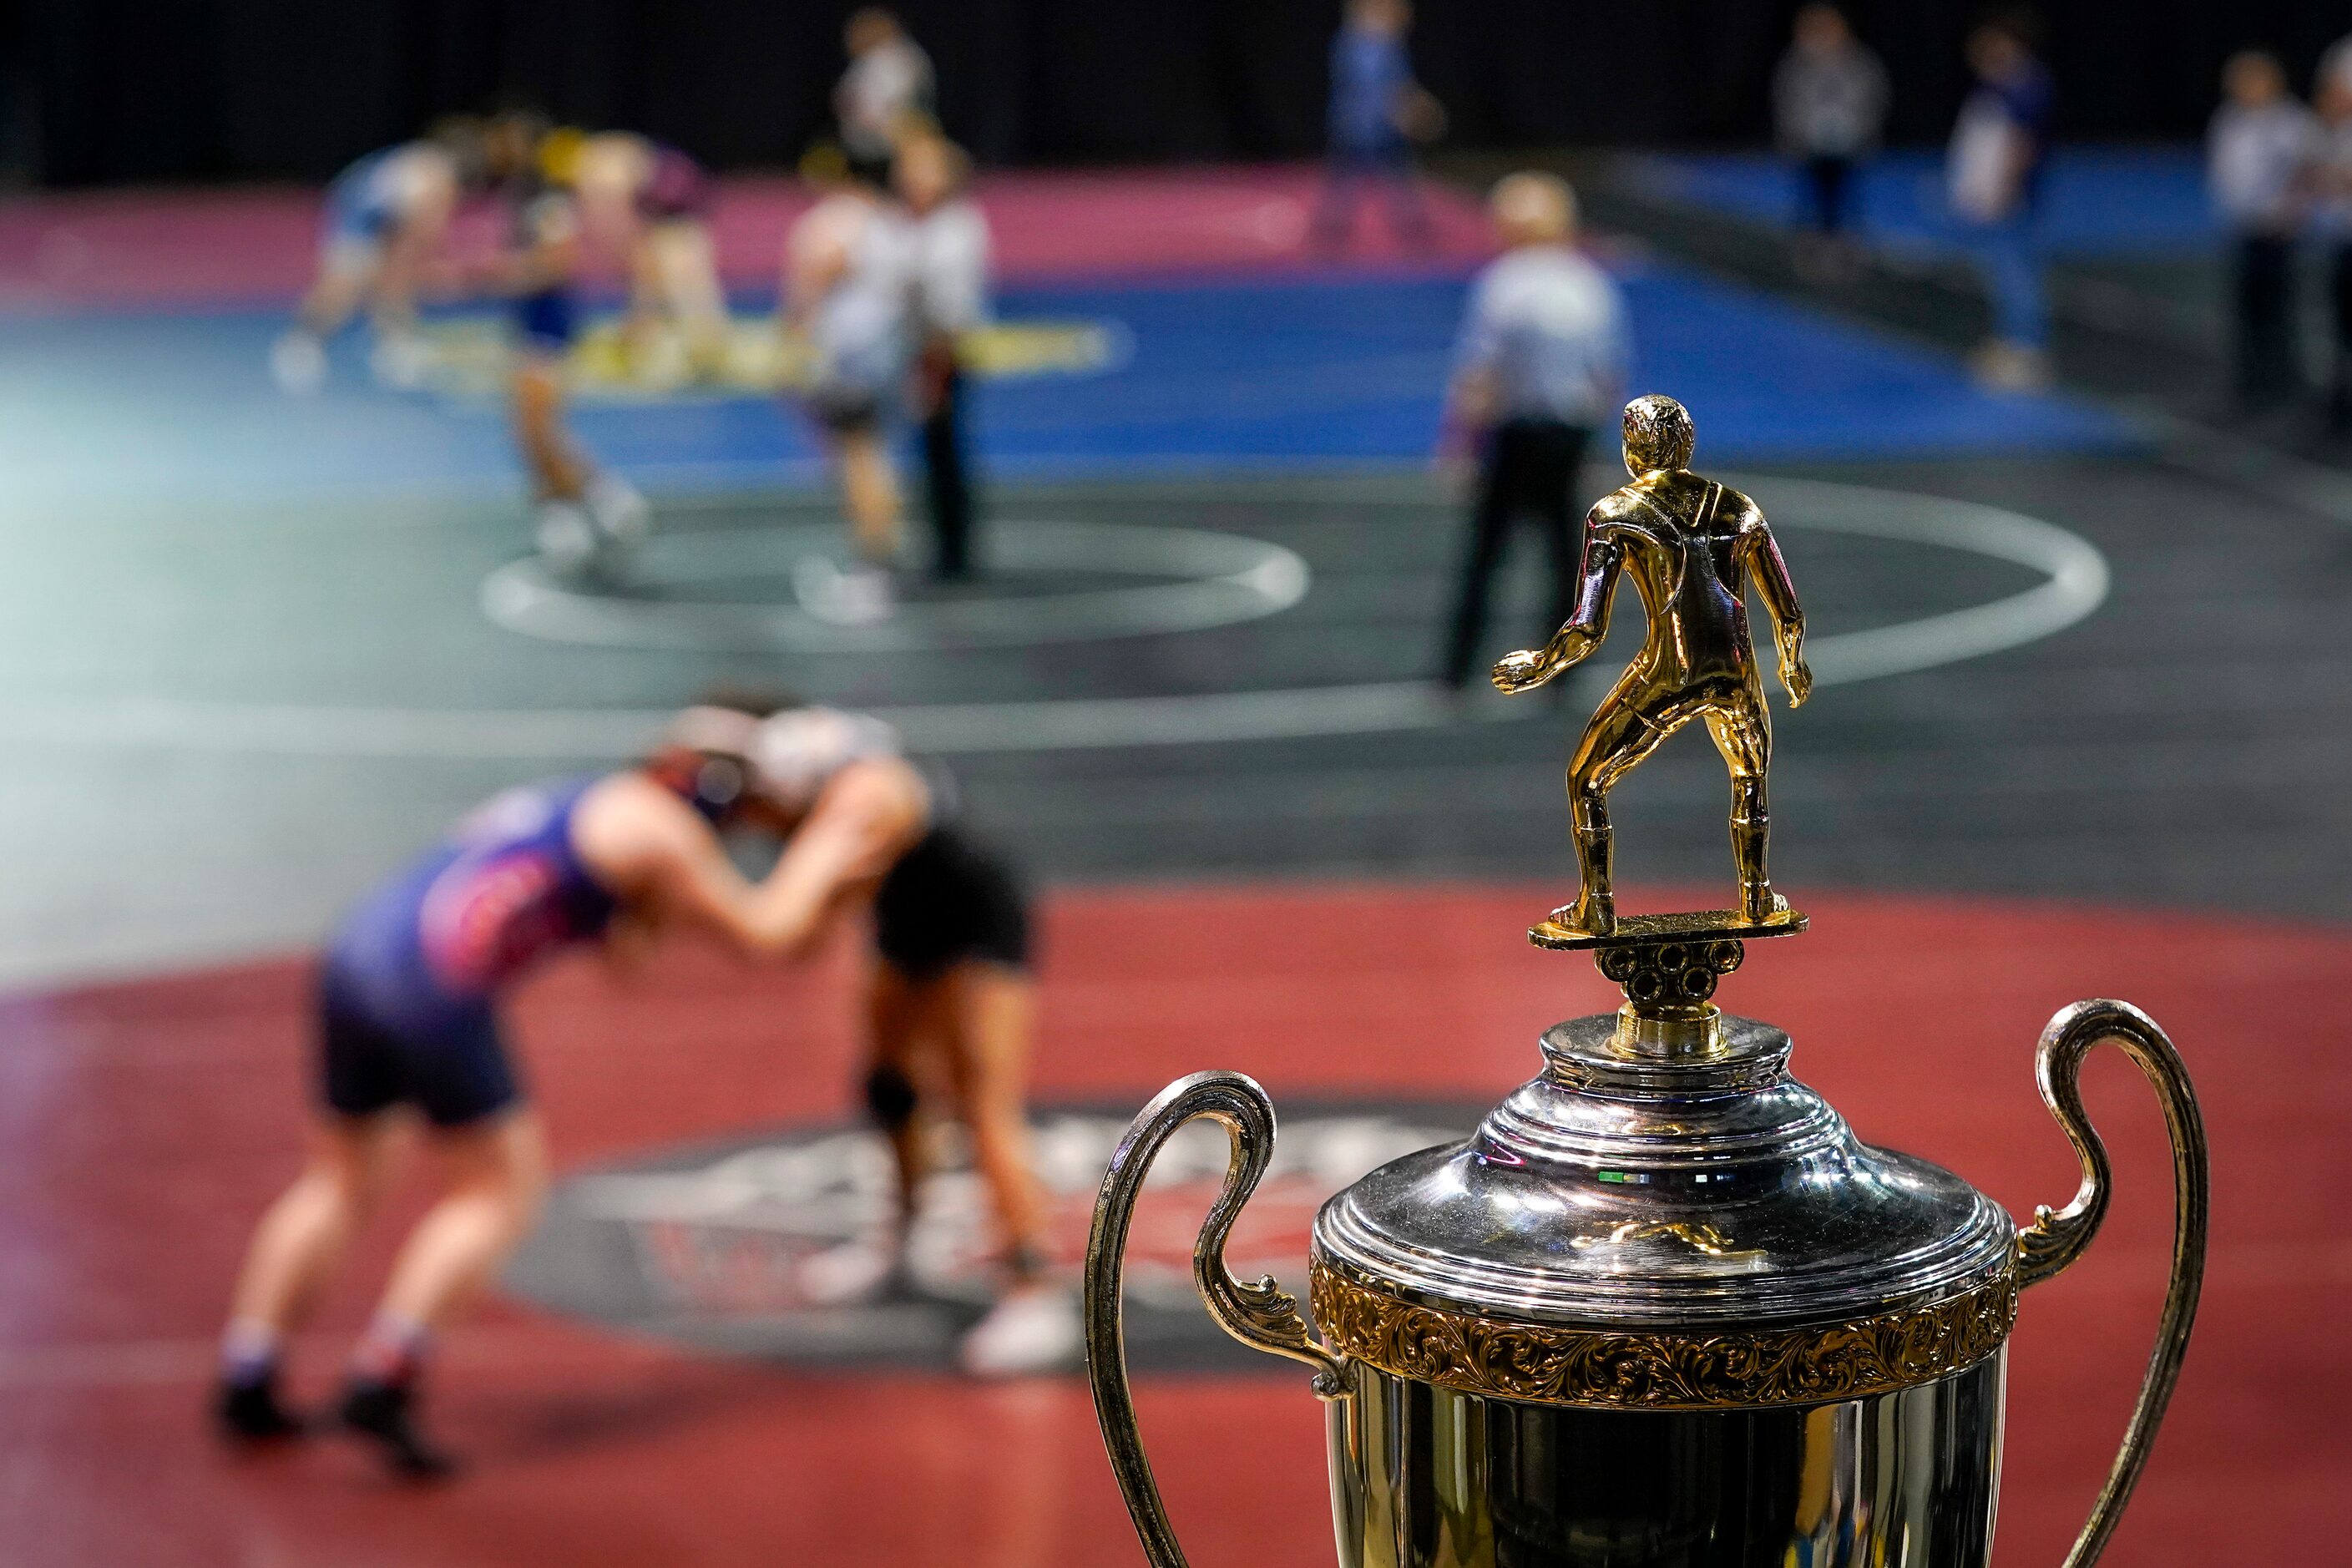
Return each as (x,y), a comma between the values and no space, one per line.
(382,1414)
(250,1412)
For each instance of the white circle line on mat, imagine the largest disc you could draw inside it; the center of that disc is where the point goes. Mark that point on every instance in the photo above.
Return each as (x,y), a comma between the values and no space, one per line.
(2076,582)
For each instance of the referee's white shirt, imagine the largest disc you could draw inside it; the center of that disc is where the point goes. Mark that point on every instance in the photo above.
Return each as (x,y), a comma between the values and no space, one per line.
(948,265)
(1547,327)
(2253,160)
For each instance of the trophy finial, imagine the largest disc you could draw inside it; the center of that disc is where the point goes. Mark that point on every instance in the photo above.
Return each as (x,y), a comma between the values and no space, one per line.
(1690,545)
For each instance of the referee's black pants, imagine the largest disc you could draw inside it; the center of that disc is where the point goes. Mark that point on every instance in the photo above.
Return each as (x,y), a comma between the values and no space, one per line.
(2268,368)
(947,482)
(1530,469)
(2339,302)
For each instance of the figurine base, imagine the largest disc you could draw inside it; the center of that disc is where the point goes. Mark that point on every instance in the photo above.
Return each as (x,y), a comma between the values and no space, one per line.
(1649,930)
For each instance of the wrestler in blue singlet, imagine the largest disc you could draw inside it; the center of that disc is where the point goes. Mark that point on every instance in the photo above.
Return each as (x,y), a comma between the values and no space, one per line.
(546,318)
(407,995)
(369,200)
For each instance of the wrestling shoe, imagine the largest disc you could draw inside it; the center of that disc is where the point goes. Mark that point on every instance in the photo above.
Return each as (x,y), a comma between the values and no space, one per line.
(250,1412)
(297,363)
(567,538)
(853,1273)
(1032,1329)
(858,596)
(624,522)
(400,361)
(384,1413)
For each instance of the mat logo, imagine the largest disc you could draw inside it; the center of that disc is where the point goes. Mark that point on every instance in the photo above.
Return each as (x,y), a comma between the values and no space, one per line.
(768,1246)
(469,356)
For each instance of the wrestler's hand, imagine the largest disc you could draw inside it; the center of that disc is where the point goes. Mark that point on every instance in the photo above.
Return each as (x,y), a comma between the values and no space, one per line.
(1796,676)
(1525,669)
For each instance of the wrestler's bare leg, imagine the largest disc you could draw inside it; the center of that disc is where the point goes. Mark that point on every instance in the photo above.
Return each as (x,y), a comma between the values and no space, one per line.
(686,273)
(345,279)
(898,1023)
(557,471)
(302,1237)
(991,1012)
(869,493)
(492,1178)
(1621,734)
(1743,734)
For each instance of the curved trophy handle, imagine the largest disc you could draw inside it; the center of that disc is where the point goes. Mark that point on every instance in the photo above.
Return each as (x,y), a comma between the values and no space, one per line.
(2056,1239)
(1259,1314)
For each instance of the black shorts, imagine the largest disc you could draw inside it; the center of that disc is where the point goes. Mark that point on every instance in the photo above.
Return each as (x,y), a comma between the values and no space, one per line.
(845,410)
(945,901)
(453,1070)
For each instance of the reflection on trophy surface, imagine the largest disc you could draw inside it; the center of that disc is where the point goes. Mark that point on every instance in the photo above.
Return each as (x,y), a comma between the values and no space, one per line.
(1664,1308)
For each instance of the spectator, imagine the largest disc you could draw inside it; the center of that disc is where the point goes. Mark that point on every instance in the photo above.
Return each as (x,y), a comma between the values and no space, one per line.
(888,86)
(2331,178)
(1378,111)
(1541,359)
(1829,106)
(2258,152)
(1998,148)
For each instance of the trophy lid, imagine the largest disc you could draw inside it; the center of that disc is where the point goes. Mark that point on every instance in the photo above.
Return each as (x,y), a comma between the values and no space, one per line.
(1664,1218)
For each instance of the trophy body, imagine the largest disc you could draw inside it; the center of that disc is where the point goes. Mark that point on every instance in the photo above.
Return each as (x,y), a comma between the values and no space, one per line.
(1424,1477)
(1663,1310)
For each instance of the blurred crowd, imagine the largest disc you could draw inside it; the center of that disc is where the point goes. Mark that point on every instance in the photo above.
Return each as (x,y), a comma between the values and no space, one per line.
(2281,173)
(1830,95)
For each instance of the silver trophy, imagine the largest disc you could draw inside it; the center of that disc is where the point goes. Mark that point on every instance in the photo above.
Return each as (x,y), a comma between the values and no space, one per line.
(1662,1308)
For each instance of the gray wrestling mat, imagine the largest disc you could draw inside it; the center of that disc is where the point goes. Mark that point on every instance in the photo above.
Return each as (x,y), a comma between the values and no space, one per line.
(2093,678)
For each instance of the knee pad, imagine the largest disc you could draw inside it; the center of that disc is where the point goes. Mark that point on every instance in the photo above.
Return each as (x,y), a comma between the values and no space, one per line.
(890,1096)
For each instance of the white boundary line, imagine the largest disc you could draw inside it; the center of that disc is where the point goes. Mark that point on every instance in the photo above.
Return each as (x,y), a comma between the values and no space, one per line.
(1225,579)
(2076,582)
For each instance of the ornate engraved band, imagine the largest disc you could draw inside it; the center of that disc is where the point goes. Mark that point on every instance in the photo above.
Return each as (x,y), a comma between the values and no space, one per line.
(1546,1364)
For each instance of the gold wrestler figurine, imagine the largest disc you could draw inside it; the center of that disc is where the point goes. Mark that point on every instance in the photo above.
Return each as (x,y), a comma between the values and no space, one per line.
(1690,545)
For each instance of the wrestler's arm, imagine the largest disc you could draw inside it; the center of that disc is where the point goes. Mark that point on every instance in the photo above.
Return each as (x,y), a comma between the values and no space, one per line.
(1762,555)
(812,267)
(412,257)
(1604,557)
(669,862)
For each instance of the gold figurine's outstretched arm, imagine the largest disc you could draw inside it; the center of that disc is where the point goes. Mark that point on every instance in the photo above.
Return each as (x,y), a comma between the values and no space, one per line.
(1582,632)
(1780,595)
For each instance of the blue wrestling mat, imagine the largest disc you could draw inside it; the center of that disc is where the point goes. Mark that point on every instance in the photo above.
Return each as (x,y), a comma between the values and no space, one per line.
(1256,374)
(2097,202)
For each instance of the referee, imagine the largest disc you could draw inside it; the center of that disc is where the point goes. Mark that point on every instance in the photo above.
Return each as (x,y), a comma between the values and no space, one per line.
(948,273)
(1541,358)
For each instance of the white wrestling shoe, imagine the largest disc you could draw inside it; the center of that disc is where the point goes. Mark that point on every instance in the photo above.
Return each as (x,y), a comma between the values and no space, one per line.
(622,520)
(1033,1329)
(567,538)
(858,596)
(851,1274)
(297,363)
(400,361)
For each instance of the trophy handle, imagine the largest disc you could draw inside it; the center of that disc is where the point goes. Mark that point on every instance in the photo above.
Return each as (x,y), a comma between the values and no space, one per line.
(2056,1239)
(1260,1314)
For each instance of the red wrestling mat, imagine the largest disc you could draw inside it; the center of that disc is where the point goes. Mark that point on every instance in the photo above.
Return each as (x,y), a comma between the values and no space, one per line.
(154,248)
(142,1126)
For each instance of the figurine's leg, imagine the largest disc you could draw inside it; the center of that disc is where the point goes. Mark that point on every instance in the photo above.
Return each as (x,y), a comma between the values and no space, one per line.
(1745,737)
(1619,737)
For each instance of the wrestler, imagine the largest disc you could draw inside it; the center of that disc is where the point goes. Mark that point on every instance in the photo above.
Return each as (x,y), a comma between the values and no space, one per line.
(409,997)
(652,204)
(846,295)
(386,217)
(1691,546)
(587,522)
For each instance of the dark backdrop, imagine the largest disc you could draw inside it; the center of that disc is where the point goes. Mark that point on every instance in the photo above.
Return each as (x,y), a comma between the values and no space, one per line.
(170,89)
